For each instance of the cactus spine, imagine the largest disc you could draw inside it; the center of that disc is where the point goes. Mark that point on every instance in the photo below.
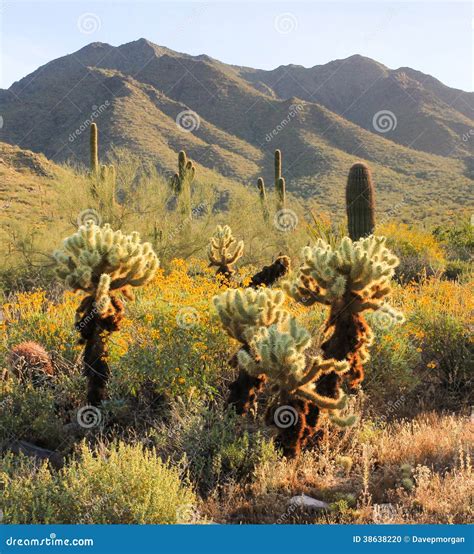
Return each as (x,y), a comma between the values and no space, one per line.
(94,150)
(263,198)
(360,205)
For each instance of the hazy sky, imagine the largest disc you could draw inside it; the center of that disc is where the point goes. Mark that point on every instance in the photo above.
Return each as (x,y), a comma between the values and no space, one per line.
(431,36)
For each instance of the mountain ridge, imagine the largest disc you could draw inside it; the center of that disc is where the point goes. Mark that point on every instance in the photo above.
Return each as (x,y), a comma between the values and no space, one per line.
(242,117)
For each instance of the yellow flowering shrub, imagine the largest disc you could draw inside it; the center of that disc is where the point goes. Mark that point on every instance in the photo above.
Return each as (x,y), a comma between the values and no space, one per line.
(419,252)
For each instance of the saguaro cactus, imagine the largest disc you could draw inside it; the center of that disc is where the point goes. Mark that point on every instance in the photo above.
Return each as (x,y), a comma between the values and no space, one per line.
(263,198)
(181,183)
(94,150)
(102,262)
(360,202)
(280,185)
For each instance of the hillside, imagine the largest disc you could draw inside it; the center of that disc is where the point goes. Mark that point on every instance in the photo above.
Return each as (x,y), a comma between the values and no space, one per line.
(137,91)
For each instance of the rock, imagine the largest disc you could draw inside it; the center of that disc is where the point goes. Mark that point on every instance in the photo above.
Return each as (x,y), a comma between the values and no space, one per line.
(384,513)
(304,501)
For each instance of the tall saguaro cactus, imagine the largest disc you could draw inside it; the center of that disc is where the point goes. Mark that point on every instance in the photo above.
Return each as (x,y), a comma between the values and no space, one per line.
(360,202)
(94,150)
(102,262)
(280,185)
(263,198)
(181,183)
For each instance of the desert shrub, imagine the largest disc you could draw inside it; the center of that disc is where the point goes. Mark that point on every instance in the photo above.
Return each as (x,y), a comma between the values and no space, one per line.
(216,445)
(419,252)
(119,484)
(391,371)
(439,323)
(29,414)
(458,270)
(457,240)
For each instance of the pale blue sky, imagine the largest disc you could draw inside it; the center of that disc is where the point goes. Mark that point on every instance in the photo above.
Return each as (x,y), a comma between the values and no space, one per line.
(432,36)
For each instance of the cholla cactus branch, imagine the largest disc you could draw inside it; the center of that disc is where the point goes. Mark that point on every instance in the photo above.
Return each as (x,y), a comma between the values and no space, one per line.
(243,311)
(224,251)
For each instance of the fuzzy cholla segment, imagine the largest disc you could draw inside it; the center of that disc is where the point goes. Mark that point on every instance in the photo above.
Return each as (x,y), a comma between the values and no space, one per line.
(98,260)
(279,352)
(242,311)
(364,267)
(223,250)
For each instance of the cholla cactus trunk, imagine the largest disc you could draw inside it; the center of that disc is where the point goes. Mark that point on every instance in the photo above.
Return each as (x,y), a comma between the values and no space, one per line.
(94,331)
(270,274)
(94,150)
(360,203)
(294,438)
(348,335)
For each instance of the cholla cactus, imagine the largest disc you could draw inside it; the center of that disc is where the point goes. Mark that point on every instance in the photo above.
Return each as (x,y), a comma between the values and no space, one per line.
(224,251)
(279,352)
(364,267)
(101,262)
(351,278)
(243,311)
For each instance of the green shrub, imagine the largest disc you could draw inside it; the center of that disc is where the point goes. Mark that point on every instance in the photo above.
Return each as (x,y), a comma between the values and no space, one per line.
(214,444)
(120,484)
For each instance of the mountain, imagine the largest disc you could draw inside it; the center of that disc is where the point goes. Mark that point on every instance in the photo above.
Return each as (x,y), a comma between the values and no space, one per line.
(430,116)
(320,117)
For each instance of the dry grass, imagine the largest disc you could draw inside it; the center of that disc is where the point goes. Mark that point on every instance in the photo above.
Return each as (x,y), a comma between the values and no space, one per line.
(432,450)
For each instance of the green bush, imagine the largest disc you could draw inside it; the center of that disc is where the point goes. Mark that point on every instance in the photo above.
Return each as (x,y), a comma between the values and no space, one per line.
(120,484)
(216,446)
